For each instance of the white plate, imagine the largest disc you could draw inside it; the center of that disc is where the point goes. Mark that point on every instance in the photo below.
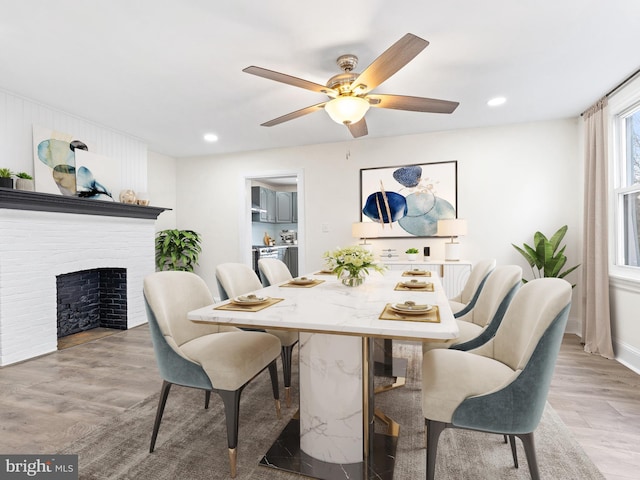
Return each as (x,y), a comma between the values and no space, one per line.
(414,284)
(302,281)
(411,309)
(249,299)
(416,272)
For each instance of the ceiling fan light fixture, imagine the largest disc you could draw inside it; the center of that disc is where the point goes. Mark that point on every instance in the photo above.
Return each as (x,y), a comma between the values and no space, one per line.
(347,109)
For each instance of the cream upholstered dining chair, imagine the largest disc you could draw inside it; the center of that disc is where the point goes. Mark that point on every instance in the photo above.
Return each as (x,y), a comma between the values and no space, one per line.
(273,271)
(466,299)
(502,386)
(213,358)
(481,323)
(236,279)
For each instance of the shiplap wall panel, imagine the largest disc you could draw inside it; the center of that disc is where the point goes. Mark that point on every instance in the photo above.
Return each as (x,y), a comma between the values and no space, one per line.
(18,115)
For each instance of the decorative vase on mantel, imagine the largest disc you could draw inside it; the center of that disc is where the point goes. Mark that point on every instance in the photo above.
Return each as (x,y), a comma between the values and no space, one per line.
(128,196)
(25,184)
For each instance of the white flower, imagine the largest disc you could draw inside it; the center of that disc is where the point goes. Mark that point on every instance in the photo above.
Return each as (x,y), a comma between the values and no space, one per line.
(355,260)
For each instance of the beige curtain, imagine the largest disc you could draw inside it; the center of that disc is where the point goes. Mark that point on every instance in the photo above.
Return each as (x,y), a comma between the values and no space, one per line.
(596,329)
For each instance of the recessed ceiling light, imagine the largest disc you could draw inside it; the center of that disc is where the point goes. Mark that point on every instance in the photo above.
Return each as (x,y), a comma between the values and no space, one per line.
(210,137)
(494,102)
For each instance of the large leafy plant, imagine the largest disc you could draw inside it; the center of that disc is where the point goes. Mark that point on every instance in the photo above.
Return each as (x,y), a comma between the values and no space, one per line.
(544,258)
(177,250)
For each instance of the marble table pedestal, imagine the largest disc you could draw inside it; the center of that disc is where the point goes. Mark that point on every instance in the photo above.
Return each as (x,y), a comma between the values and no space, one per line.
(333,437)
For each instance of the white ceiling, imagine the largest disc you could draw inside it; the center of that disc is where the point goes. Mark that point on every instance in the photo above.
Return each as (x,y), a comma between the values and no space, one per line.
(168,71)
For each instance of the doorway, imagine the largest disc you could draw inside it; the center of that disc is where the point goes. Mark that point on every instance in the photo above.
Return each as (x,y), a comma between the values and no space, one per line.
(282,230)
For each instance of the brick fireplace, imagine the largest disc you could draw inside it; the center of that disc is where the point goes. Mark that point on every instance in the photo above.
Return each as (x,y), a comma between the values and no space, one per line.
(89,299)
(44,236)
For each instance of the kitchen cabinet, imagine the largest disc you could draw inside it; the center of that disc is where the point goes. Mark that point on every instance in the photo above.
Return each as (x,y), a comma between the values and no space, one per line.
(454,275)
(284,207)
(294,207)
(265,199)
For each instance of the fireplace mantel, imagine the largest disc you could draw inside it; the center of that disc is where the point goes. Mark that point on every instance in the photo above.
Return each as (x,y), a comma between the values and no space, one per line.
(48,202)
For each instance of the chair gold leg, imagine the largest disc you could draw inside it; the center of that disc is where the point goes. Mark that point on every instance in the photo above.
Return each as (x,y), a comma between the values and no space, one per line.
(233,457)
(278,412)
(287,396)
(393,428)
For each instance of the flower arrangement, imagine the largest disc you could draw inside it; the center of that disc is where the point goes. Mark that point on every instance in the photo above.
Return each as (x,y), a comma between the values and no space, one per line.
(355,260)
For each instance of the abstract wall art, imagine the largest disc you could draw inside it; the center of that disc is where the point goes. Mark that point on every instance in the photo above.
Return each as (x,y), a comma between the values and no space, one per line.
(97,176)
(65,165)
(408,201)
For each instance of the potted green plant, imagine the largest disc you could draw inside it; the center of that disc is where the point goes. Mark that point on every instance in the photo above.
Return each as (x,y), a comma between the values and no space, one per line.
(24,181)
(412,253)
(5,178)
(177,249)
(544,258)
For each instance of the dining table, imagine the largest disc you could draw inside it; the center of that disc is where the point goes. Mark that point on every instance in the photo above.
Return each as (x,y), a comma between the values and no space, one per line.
(332,435)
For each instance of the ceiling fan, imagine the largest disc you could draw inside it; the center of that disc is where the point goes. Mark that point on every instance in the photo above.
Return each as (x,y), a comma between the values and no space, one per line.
(349,91)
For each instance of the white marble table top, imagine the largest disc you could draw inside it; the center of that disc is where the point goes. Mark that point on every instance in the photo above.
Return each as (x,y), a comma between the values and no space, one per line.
(333,308)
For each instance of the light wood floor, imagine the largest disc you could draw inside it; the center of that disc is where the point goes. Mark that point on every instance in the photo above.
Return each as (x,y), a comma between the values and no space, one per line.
(52,400)
(599,400)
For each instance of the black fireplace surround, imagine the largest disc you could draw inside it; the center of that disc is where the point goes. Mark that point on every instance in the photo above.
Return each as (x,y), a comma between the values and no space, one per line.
(90,299)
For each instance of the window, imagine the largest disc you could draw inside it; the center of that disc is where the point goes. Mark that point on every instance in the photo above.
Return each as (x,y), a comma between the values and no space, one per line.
(627,191)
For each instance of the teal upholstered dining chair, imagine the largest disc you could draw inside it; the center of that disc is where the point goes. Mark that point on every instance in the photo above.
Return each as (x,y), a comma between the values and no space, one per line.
(462,303)
(481,323)
(236,279)
(502,386)
(213,358)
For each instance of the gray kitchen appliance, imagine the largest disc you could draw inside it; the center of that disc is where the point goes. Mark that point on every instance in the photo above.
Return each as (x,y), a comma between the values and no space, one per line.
(289,237)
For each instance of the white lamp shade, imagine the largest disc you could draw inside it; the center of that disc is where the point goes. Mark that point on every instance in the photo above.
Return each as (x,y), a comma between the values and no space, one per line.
(346,109)
(364,230)
(452,227)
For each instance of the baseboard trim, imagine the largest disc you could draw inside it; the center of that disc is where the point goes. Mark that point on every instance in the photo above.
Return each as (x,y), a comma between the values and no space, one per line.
(627,355)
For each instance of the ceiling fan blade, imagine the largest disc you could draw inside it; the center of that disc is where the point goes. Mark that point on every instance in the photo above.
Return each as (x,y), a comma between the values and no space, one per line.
(391,60)
(289,80)
(414,104)
(358,129)
(293,115)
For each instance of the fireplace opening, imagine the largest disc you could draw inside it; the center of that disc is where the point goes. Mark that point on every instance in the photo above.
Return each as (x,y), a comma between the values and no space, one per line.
(91,299)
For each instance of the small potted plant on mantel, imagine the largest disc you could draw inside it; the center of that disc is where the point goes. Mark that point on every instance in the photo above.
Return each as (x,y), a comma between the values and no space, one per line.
(5,178)
(24,181)
(412,254)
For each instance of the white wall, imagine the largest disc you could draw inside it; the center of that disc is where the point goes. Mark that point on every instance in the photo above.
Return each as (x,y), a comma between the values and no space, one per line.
(161,184)
(512,181)
(18,115)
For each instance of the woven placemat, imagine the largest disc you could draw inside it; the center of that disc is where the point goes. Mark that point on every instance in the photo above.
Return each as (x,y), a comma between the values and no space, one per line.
(432,316)
(248,308)
(323,272)
(428,287)
(307,285)
(421,273)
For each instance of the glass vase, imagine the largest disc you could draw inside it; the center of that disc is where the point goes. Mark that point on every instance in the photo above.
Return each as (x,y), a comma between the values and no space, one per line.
(353,280)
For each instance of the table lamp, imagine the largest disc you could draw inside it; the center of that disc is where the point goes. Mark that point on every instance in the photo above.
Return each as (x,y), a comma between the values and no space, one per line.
(452,227)
(364,230)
